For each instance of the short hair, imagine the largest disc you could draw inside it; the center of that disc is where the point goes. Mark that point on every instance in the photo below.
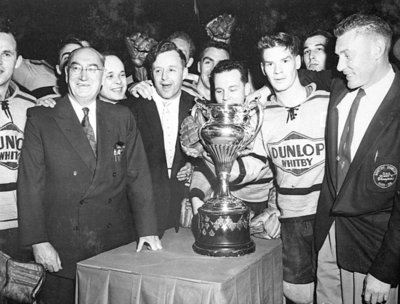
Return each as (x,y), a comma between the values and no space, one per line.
(5,27)
(162,47)
(184,36)
(290,42)
(319,32)
(230,65)
(101,57)
(71,39)
(214,44)
(368,24)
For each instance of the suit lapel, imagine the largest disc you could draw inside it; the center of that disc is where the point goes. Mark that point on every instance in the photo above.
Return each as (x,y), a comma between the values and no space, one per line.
(332,133)
(154,122)
(381,120)
(69,124)
(184,108)
(104,142)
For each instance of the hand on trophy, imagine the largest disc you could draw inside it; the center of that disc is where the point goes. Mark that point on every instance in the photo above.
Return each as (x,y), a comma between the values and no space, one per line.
(189,137)
(139,45)
(221,28)
(266,226)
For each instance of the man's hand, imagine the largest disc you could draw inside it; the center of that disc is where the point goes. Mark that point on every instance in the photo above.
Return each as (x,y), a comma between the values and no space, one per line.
(153,242)
(46,255)
(46,102)
(266,226)
(375,291)
(142,89)
(189,137)
(185,173)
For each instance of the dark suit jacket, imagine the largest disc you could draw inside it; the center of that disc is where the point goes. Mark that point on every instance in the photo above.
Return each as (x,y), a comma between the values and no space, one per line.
(81,205)
(168,192)
(366,210)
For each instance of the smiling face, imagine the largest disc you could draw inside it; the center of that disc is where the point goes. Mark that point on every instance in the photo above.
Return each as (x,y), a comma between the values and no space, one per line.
(114,84)
(168,73)
(314,54)
(356,58)
(280,66)
(84,75)
(9,58)
(211,56)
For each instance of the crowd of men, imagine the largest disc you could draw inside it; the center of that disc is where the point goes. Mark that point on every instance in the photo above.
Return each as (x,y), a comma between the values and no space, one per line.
(88,165)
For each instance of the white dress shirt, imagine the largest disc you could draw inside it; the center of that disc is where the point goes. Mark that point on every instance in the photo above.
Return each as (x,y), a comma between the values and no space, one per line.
(168,110)
(92,113)
(369,104)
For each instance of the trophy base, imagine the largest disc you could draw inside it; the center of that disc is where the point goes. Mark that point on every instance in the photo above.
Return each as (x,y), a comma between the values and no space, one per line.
(220,251)
(224,228)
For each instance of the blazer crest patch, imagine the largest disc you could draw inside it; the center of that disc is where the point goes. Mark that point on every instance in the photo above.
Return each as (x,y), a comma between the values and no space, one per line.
(385,176)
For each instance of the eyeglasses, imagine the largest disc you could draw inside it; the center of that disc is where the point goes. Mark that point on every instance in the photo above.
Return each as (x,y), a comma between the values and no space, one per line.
(77,69)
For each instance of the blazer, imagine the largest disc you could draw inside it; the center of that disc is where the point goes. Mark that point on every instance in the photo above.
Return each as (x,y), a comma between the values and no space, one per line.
(168,192)
(366,210)
(80,204)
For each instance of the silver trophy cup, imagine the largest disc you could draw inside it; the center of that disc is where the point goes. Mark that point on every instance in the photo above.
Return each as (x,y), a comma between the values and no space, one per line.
(224,220)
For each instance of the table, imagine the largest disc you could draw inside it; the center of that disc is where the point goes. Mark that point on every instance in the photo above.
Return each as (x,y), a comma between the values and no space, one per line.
(177,275)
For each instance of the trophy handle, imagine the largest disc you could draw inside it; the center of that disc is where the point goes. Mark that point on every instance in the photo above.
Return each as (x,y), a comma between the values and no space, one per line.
(260,118)
(199,113)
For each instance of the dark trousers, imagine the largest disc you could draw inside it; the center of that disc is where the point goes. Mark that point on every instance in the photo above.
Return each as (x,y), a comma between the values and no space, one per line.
(57,290)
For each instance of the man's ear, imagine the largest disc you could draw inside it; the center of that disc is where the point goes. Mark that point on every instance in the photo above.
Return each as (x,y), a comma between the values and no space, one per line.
(247,89)
(58,69)
(262,69)
(18,62)
(298,62)
(198,67)
(66,73)
(190,62)
(185,72)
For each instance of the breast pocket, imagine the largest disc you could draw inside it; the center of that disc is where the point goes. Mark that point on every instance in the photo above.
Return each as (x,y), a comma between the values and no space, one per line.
(383,175)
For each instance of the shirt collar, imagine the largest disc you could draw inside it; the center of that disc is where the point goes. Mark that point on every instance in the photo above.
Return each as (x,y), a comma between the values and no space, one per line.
(382,86)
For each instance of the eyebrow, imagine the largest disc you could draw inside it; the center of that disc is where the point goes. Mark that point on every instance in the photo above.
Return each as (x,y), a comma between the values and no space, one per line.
(318,44)
(206,57)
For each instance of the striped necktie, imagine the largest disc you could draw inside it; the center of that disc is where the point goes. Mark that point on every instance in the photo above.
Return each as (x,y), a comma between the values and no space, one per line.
(87,128)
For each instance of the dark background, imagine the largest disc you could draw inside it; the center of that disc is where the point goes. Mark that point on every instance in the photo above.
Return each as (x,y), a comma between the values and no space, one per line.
(41,24)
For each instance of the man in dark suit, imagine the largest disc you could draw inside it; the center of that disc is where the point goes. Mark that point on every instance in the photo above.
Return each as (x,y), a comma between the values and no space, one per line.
(159,120)
(358,216)
(83,188)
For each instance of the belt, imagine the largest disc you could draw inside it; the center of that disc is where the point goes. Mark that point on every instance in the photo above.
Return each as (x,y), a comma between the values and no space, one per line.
(8,187)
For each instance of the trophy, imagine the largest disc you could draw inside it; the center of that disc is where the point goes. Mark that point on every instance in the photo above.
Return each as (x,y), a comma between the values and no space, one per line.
(224,220)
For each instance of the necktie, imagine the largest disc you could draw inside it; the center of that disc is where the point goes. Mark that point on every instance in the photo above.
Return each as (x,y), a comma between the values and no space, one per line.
(344,151)
(87,128)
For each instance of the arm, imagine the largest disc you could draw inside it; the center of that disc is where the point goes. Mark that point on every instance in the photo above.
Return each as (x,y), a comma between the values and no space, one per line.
(31,188)
(322,79)
(201,187)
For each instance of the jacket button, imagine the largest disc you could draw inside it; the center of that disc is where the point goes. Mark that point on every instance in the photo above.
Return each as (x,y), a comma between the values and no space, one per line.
(114,174)
(75,173)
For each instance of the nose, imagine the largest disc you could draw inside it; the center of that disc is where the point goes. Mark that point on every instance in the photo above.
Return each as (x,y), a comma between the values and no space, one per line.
(164,75)
(312,54)
(118,80)
(341,65)
(225,96)
(84,74)
(278,69)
